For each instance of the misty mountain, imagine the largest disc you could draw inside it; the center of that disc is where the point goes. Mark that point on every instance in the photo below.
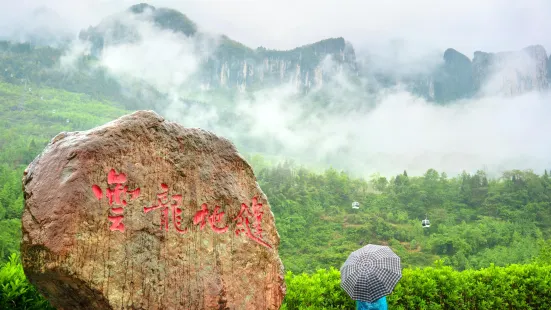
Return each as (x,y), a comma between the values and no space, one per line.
(505,73)
(118,29)
(235,66)
(232,64)
(227,66)
(40,27)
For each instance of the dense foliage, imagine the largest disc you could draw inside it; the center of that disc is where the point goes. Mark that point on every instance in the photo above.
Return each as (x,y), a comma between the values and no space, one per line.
(476,220)
(512,287)
(437,287)
(15,290)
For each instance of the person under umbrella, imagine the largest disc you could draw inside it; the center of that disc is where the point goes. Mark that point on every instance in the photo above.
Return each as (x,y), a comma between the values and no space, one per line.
(369,274)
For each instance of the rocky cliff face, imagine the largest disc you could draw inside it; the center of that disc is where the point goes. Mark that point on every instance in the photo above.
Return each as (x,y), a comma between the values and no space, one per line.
(305,67)
(505,73)
(236,66)
(232,65)
(511,73)
(454,80)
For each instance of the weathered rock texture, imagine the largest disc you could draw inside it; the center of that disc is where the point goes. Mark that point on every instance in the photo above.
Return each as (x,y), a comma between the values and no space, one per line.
(142,213)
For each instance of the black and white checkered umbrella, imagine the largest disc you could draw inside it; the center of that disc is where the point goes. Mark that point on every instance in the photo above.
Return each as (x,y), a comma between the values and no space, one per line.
(370,273)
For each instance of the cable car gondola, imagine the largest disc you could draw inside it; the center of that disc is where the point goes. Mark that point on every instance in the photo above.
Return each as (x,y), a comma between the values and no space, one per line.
(425,223)
(355,205)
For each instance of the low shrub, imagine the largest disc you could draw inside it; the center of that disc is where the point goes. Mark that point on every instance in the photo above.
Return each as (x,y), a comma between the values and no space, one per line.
(440,287)
(16,292)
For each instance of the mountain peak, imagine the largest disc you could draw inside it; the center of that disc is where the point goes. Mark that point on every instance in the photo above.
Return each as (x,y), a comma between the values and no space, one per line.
(167,18)
(140,8)
(452,55)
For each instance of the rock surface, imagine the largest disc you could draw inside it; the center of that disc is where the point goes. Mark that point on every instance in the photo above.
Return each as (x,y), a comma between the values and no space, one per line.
(511,73)
(231,64)
(142,213)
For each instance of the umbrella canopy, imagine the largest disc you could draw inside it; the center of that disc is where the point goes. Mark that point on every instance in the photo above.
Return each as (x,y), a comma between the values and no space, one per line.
(370,273)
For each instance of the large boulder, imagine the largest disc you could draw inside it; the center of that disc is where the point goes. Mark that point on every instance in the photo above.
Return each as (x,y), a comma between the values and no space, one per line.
(142,213)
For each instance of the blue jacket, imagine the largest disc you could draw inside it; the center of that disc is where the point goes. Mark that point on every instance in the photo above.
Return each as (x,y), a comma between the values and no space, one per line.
(379,304)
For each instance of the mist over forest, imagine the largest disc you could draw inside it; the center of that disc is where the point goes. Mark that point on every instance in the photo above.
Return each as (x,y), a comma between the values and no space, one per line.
(394,107)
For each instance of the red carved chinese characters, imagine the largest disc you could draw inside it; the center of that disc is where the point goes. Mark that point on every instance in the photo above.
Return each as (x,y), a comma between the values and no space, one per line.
(216,217)
(114,193)
(171,206)
(243,222)
(176,207)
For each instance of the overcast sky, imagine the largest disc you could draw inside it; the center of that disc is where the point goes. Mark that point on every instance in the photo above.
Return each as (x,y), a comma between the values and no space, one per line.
(488,25)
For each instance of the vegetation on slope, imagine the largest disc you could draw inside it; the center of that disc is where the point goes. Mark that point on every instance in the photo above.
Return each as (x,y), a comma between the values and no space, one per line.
(16,292)
(476,221)
(31,66)
(30,117)
(438,287)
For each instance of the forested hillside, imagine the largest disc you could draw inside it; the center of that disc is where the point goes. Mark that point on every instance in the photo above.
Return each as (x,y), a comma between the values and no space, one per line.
(28,65)
(29,118)
(475,220)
